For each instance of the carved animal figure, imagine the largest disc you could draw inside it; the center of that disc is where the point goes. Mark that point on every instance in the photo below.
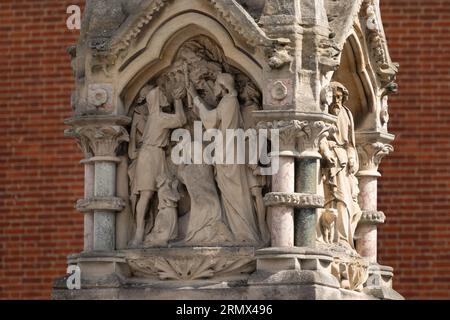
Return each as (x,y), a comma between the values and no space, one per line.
(328,224)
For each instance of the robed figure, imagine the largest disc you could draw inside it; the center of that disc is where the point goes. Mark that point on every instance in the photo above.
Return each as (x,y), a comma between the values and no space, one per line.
(341,185)
(231,178)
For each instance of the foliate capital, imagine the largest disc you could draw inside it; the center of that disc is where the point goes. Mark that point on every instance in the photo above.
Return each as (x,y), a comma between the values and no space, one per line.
(370,155)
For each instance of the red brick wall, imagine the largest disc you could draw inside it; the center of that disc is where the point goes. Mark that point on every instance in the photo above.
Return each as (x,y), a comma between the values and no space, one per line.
(415,188)
(39,175)
(40,179)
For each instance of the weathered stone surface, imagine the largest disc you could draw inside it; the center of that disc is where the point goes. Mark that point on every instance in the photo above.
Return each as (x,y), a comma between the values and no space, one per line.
(313,75)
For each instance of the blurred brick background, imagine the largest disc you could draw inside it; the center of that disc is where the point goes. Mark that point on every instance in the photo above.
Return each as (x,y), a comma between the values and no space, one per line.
(40,179)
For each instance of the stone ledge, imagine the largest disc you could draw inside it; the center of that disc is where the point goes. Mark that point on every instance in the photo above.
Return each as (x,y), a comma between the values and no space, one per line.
(296,200)
(100,204)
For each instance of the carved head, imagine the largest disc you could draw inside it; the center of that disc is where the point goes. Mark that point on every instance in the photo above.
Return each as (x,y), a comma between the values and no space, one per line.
(225,84)
(340,96)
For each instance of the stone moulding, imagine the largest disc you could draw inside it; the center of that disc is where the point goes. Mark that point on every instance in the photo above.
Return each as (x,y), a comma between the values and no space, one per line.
(296,200)
(191,263)
(231,11)
(372,217)
(100,204)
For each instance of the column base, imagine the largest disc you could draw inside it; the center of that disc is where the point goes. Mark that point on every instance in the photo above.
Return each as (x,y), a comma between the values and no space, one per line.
(293,273)
(209,273)
(379,283)
(98,269)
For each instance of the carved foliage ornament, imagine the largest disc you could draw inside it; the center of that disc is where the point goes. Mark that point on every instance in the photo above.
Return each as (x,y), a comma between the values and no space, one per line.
(377,42)
(101,141)
(304,136)
(371,154)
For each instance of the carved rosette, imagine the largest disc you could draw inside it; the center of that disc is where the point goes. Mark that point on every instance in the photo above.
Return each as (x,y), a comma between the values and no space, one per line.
(295,200)
(103,140)
(370,155)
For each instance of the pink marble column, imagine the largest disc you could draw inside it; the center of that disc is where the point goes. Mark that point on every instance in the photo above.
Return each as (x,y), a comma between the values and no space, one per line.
(366,237)
(282,217)
(89,176)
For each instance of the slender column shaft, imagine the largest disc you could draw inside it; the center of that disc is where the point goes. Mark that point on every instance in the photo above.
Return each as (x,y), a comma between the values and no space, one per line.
(104,221)
(282,217)
(305,218)
(89,177)
(366,240)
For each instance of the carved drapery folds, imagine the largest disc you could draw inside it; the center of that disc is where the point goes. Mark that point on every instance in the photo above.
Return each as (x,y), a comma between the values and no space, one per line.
(300,138)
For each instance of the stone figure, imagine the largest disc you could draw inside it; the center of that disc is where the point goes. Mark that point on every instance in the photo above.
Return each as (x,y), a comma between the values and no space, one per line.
(140,116)
(166,227)
(231,178)
(204,221)
(151,160)
(341,185)
(328,224)
(256,182)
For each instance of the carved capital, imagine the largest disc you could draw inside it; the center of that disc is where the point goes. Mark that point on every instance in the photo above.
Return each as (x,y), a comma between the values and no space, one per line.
(82,141)
(103,141)
(296,200)
(370,155)
(287,131)
(312,134)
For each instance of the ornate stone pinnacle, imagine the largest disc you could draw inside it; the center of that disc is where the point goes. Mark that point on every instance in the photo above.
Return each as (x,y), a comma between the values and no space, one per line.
(370,155)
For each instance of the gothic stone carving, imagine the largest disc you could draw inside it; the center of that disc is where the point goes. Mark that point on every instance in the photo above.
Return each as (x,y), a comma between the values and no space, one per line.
(371,155)
(102,141)
(200,88)
(386,69)
(191,263)
(342,212)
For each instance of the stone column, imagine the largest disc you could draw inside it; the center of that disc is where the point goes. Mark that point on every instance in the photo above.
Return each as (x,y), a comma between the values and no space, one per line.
(101,199)
(89,177)
(283,183)
(370,155)
(307,181)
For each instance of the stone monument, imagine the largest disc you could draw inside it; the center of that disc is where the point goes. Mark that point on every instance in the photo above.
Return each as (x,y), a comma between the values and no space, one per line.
(316,74)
